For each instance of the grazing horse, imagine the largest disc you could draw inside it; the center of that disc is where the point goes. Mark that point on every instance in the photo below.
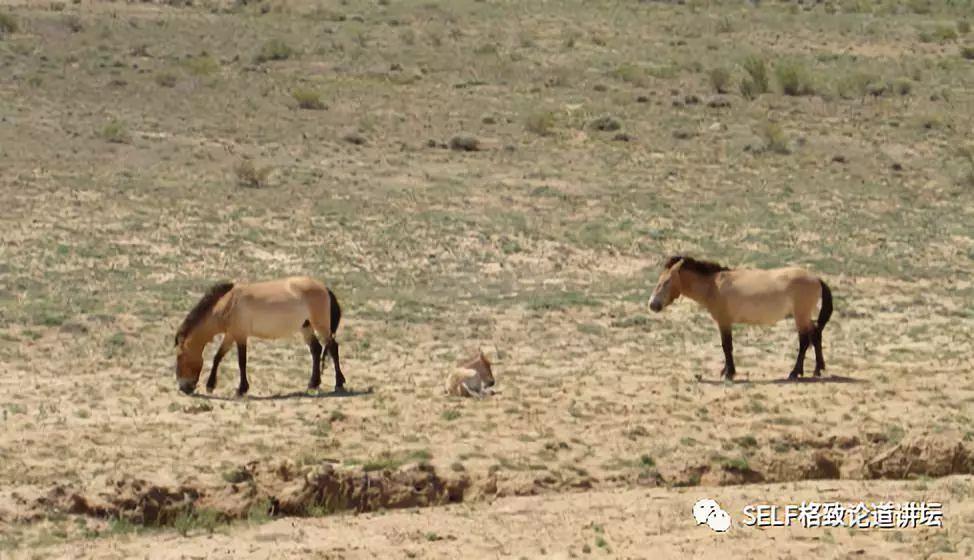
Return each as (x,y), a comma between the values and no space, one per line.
(273,309)
(476,385)
(751,296)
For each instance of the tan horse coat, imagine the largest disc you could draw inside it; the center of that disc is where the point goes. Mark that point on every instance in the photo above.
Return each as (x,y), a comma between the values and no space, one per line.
(266,310)
(750,296)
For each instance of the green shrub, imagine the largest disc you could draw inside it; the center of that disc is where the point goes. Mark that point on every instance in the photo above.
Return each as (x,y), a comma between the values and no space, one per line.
(308,99)
(774,138)
(756,81)
(275,49)
(720,79)
(203,65)
(115,132)
(541,123)
(8,24)
(794,78)
(967,53)
(248,175)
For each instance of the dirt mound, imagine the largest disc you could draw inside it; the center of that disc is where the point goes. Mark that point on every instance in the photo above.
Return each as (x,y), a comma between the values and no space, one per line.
(933,457)
(281,490)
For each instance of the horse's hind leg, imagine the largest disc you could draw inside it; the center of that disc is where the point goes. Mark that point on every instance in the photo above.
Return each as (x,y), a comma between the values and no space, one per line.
(242,362)
(332,349)
(727,343)
(315,347)
(819,357)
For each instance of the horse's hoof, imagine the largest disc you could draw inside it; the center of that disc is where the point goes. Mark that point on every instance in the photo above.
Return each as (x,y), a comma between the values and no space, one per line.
(209,390)
(340,389)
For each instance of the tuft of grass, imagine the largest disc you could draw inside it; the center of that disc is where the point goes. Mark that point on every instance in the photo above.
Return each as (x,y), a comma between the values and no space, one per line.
(8,24)
(631,74)
(541,123)
(275,49)
(202,65)
(166,79)
(248,175)
(794,78)
(756,81)
(197,519)
(774,138)
(115,132)
(720,79)
(963,27)
(606,123)
(308,99)
(967,53)
(450,415)
(940,33)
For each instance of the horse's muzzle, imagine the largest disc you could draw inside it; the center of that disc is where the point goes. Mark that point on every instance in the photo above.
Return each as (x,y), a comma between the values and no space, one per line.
(187,387)
(656,306)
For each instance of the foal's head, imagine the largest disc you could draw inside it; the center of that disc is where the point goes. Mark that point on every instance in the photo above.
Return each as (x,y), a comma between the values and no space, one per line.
(668,285)
(481,365)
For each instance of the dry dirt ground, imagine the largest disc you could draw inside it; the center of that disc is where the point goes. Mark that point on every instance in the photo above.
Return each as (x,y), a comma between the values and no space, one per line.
(481,173)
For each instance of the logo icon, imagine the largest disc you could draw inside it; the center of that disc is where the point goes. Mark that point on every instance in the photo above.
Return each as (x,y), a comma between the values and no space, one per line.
(708,511)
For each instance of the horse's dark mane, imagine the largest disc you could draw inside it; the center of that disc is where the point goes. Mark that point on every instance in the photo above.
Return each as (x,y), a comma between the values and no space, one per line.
(202,307)
(693,265)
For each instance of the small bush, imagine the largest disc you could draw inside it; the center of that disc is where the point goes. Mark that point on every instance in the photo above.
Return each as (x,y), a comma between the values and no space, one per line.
(774,138)
(720,79)
(166,79)
(115,132)
(248,175)
(963,26)
(308,99)
(794,78)
(630,74)
(8,24)
(902,86)
(855,85)
(203,65)
(756,82)
(967,53)
(606,123)
(275,49)
(939,34)
(541,123)
(724,25)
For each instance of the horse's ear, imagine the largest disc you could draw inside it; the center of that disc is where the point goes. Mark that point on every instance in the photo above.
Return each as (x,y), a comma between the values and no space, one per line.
(677,265)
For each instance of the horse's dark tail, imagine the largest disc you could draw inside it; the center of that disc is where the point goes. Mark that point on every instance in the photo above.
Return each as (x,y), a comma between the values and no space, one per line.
(336,311)
(826,313)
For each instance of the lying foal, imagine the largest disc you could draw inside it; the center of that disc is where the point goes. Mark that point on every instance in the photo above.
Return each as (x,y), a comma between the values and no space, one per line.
(478,385)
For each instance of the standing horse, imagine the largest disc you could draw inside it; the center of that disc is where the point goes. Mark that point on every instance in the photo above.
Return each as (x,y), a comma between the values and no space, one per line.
(268,310)
(750,296)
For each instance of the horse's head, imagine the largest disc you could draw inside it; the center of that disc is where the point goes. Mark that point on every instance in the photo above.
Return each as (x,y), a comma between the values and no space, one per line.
(189,364)
(668,285)
(480,364)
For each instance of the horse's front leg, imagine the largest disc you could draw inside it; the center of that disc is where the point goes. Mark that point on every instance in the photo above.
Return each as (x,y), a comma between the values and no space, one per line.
(727,343)
(221,351)
(242,362)
(799,369)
